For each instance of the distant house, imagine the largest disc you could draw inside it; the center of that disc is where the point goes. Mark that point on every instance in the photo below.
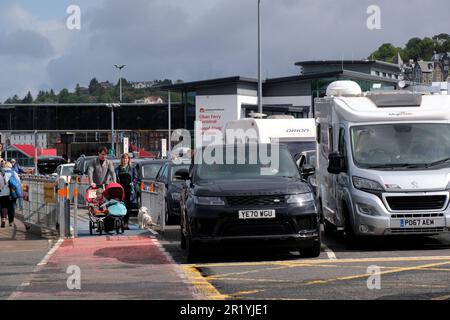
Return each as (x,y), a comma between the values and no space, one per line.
(142,84)
(151,100)
(424,71)
(442,60)
(106,85)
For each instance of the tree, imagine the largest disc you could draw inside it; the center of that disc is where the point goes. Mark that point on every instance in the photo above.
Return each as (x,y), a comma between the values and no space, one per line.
(386,52)
(28,98)
(94,86)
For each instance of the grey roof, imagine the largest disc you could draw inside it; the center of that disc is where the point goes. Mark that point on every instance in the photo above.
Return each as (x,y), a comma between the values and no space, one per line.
(426,66)
(344,62)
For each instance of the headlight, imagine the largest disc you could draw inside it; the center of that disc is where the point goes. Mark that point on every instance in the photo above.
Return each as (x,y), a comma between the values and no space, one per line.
(366,184)
(209,201)
(367,210)
(300,199)
(176,196)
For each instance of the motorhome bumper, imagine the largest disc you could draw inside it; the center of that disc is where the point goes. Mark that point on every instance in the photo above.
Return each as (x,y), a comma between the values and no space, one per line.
(372,218)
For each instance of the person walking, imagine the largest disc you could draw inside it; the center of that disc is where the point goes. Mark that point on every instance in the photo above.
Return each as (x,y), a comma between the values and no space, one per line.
(127,176)
(101,170)
(7,202)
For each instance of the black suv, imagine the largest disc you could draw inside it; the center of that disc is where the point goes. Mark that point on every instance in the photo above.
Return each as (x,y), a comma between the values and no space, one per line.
(82,163)
(234,203)
(48,164)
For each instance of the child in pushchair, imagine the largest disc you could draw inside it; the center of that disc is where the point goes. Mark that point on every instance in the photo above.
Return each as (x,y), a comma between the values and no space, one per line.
(106,208)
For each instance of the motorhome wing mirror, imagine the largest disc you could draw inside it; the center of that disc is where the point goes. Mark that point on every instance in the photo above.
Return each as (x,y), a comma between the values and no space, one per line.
(336,163)
(182,174)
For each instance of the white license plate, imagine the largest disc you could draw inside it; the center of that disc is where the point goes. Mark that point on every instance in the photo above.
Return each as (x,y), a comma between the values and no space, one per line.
(409,223)
(256,214)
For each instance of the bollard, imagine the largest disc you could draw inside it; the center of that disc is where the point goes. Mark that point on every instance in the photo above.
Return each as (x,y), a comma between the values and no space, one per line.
(63,209)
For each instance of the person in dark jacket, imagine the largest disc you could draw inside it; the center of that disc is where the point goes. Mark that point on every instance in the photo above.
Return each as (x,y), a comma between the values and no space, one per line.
(127,176)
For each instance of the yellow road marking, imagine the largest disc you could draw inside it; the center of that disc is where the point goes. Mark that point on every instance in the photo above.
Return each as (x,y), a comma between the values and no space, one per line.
(315,262)
(365,275)
(244,293)
(206,289)
(225,275)
(442,298)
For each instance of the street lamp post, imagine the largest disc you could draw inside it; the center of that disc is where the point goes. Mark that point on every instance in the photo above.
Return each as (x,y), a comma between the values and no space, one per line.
(260,106)
(120,67)
(112,106)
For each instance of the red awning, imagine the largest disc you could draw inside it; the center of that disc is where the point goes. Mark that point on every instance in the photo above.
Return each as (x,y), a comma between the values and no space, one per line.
(28,150)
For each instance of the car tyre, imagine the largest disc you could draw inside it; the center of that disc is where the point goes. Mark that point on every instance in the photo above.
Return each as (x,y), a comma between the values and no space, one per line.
(313,251)
(328,228)
(192,250)
(350,238)
(182,239)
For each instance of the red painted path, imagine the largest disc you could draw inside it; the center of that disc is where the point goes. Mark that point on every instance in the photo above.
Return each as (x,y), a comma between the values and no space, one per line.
(112,267)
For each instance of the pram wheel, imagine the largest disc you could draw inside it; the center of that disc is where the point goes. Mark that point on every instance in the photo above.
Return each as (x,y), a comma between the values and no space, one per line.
(118,225)
(100,227)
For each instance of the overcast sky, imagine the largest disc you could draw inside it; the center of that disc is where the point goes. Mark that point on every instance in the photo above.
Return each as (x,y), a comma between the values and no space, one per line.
(193,39)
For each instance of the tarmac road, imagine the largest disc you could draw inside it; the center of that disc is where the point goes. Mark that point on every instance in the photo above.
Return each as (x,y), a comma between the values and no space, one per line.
(401,268)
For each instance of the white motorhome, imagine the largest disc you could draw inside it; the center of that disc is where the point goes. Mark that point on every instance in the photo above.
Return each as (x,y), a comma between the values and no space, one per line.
(383,161)
(298,134)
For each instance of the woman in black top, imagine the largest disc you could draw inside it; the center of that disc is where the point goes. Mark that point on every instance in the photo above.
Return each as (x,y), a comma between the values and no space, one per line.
(127,177)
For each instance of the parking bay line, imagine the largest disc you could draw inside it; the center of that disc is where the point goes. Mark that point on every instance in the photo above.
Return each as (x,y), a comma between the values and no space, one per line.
(353,277)
(225,275)
(205,288)
(322,261)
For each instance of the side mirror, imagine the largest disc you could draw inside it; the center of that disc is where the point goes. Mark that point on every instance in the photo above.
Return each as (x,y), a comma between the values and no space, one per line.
(182,174)
(336,163)
(308,171)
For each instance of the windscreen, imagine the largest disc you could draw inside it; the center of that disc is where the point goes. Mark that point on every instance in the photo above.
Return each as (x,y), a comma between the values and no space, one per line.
(401,145)
(252,166)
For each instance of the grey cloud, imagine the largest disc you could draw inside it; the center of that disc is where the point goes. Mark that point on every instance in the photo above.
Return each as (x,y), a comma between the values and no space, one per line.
(174,39)
(26,43)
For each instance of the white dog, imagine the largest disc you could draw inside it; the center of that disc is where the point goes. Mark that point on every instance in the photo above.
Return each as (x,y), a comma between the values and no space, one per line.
(144,219)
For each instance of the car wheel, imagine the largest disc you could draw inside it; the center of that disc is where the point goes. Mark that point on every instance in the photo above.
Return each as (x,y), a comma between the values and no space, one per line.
(350,237)
(192,250)
(182,239)
(312,251)
(328,228)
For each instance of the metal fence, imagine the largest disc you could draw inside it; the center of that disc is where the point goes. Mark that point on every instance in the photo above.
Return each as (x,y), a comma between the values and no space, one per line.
(45,204)
(153,197)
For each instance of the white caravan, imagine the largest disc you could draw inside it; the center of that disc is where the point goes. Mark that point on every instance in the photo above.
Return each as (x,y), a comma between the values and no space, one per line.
(298,134)
(383,161)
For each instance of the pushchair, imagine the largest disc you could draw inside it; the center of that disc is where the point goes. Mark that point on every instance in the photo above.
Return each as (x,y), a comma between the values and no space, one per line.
(112,211)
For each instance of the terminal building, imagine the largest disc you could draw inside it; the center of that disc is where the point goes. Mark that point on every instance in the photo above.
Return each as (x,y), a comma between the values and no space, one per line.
(213,102)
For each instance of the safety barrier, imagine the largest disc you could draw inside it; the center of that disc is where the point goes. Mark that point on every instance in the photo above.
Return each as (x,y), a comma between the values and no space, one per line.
(78,186)
(45,204)
(153,197)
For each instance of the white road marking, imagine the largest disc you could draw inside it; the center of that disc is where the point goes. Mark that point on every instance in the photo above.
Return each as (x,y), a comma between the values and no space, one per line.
(331,255)
(43,262)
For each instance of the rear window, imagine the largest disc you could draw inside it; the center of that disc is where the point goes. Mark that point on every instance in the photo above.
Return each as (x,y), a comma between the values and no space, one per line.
(149,171)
